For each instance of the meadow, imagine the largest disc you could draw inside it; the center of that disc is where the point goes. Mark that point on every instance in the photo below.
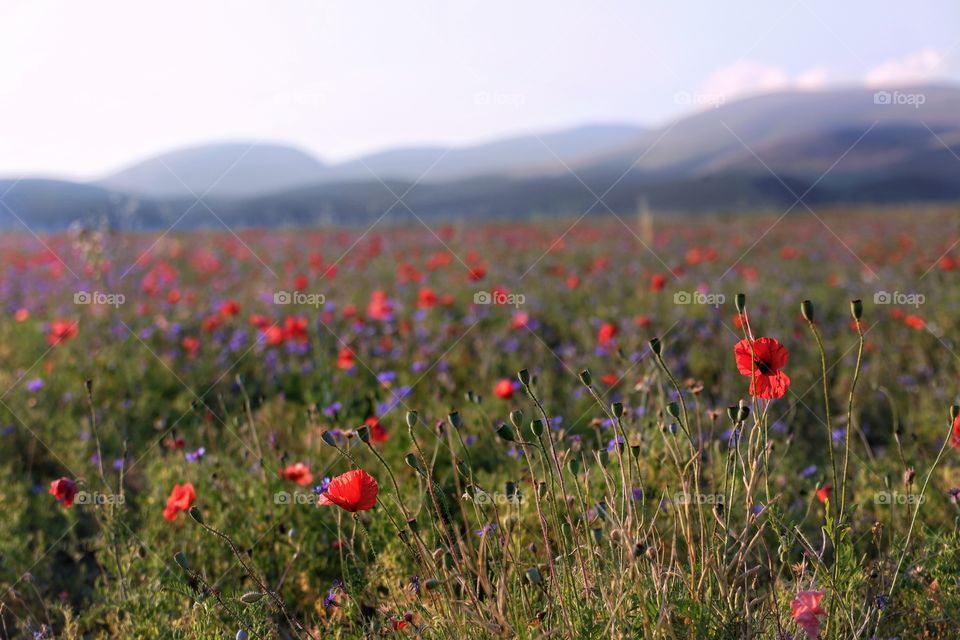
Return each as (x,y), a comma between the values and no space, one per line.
(739,427)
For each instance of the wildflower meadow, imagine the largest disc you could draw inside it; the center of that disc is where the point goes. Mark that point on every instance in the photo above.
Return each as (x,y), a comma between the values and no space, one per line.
(608,427)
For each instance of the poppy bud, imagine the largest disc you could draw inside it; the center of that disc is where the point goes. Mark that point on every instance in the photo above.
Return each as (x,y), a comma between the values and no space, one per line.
(327,437)
(89,385)
(516,418)
(806,308)
(537,428)
(364,434)
(586,378)
(414,462)
(541,489)
(635,449)
(954,412)
(250,597)
(574,466)
(617,409)
(732,413)
(181,561)
(505,432)
(432,584)
(196,515)
(411,419)
(743,412)
(534,576)
(524,376)
(740,300)
(655,346)
(674,409)
(856,308)
(455,420)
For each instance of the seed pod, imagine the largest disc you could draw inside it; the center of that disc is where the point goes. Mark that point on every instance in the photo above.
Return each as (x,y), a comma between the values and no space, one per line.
(524,376)
(411,419)
(516,418)
(856,309)
(327,437)
(655,346)
(617,409)
(505,432)
(673,409)
(740,300)
(586,378)
(250,597)
(364,434)
(806,308)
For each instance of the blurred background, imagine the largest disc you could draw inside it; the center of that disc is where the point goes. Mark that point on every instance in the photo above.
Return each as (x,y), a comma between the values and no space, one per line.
(204,115)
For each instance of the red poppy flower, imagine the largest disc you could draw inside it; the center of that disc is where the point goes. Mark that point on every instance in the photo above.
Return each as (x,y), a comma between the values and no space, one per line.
(299,473)
(378,433)
(915,322)
(504,389)
(380,307)
(823,493)
(606,333)
(181,499)
(191,345)
(61,331)
(211,323)
(353,491)
(345,359)
(229,308)
(764,361)
(426,298)
(806,611)
(295,328)
(955,436)
(22,315)
(65,491)
(657,282)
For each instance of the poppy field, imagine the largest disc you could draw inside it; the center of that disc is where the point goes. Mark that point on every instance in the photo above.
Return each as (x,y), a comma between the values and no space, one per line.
(739,427)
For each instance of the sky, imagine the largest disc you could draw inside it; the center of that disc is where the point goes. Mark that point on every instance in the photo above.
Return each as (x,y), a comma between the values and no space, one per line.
(88,87)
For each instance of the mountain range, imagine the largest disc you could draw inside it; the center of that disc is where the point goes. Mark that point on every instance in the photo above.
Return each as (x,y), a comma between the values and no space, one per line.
(851,145)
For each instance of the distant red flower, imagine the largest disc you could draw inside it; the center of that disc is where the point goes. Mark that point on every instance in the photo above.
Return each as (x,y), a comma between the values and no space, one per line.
(426,298)
(805,610)
(298,472)
(610,379)
(606,333)
(211,323)
(379,307)
(65,491)
(657,282)
(174,443)
(295,328)
(573,281)
(273,335)
(229,308)
(915,322)
(22,315)
(260,321)
(345,359)
(478,273)
(61,331)
(519,320)
(353,491)
(504,389)
(378,433)
(823,493)
(181,499)
(764,362)
(191,345)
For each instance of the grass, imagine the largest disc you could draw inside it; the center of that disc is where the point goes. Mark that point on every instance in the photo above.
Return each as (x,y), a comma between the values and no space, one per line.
(626,485)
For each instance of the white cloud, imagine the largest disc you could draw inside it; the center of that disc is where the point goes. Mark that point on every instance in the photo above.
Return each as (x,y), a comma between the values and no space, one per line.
(746,77)
(915,67)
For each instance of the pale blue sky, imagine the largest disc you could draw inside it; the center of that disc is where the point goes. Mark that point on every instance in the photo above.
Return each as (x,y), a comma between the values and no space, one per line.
(88,86)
